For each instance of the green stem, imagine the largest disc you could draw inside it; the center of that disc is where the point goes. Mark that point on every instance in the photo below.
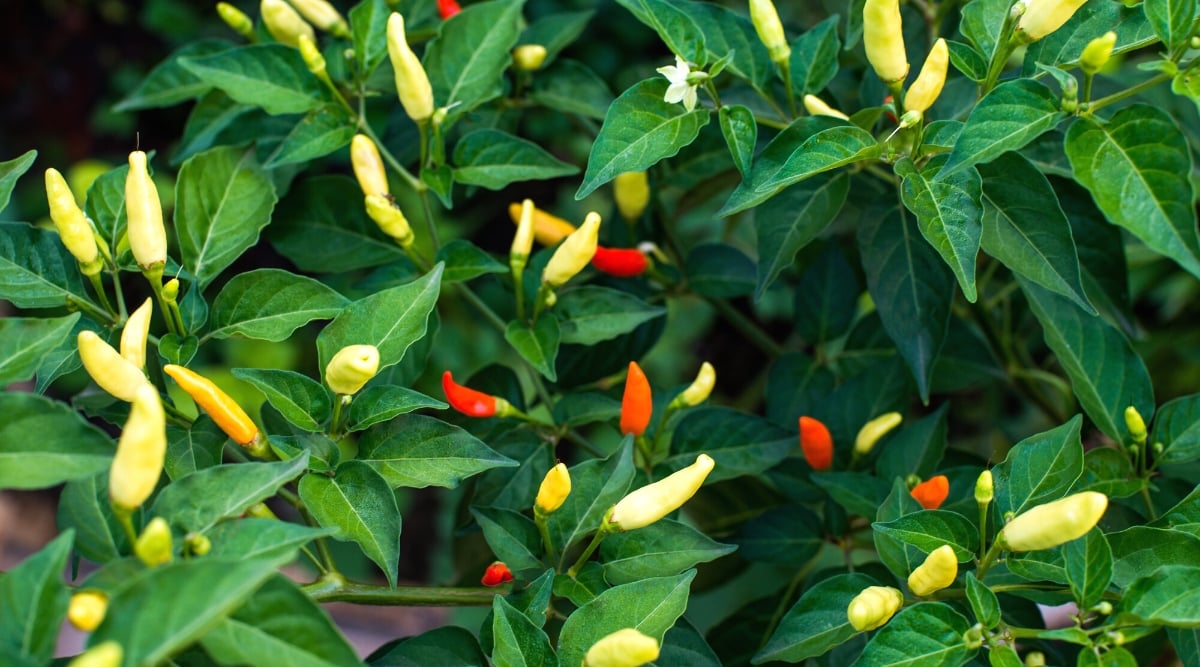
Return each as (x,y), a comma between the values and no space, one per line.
(1087,86)
(430,225)
(988,558)
(335,422)
(154,277)
(1128,92)
(484,309)
(98,285)
(999,58)
(786,73)
(587,553)
(412,181)
(540,520)
(983,528)
(313,558)
(174,414)
(746,327)
(1145,493)
(96,312)
(518,275)
(784,603)
(336,589)
(583,442)
(125,518)
(539,301)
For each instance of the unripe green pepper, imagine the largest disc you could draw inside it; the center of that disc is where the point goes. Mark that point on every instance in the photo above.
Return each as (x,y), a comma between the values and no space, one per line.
(1097,52)
(528,57)
(631,189)
(1135,424)
(236,19)
(155,546)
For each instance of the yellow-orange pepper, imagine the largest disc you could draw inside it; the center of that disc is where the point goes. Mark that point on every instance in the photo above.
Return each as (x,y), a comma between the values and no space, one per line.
(223,410)
(547,229)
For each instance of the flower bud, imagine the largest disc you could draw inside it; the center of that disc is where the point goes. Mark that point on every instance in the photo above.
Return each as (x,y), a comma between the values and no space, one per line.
(138,463)
(1054,523)
(390,219)
(654,501)
(324,16)
(134,334)
(1096,54)
(104,654)
(368,166)
(553,492)
(547,229)
(574,253)
(817,107)
(497,573)
(284,23)
(928,85)
(937,572)
(351,368)
(623,648)
(529,57)
(932,492)
(883,39)
(984,489)
(236,19)
(873,430)
(114,373)
(147,235)
(1042,17)
(770,30)
(154,546)
(412,83)
(170,290)
(873,607)
(72,225)
(632,191)
(1135,424)
(197,544)
(698,391)
(87,609)
(522,243)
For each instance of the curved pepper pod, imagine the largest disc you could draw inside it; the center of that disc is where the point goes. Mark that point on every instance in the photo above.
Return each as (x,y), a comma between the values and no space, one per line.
(147,236)
(631,189)
(1042,17)
(351,368)
(816,443)
(637,404)
(324,16)
(114,373)
(620,262)
(134,334)
(412,83)
(236,19)
(104,654)
(700,388)
(654,501)
(72,225)
(471,402)
(284,23)
(883,39)
(932,492)
(1054,523)
(817,107)
(547,229)
(223,410)
(553,492)
(391,220)
(497,573)
(937,572)
(87,609)
(138,463)
(874,607)
(928,85)
(624,648)
(873,430)
(368,166)
(574,253)
(766,23)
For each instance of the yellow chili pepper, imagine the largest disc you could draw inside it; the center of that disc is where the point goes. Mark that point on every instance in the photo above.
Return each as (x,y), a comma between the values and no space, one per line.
(553,492)
(223,410)
(1136,425)
(529,57)
(1049,525)
(547,229)
(155,546)
(883,39)
(522,243)
(104,654)
(114,373)
(368,166)
(1096,54)
(623,648)
(817,107)
(873,430)
(770,30)
(928,84)
(147,235)
(138,463)
(351,367)
(632,192)
(412,83)
(1043,17)
(654,501)
(574,253)
(984,489)
(324,16)
(72,225)
(390,219)
(236,19)
(937,572)
(284,23)
(700,388)
(313,60)
(133,336)
(873,607)
(87,609)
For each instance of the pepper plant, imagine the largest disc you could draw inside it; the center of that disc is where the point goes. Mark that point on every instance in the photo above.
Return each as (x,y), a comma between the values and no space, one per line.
(942,256)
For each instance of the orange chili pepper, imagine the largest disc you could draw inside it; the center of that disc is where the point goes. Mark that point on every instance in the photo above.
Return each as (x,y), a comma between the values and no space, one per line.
(637,404)
(228,415)
(816,443)
(497,573)
(620,262)
(471,402)
(932,492)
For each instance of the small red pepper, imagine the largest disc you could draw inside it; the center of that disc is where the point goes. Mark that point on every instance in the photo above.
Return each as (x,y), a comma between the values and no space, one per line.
(620,262)
(889,105)
(816,443)
(636,404)
(471,402)
(497,573)
(448,8)
(932,492)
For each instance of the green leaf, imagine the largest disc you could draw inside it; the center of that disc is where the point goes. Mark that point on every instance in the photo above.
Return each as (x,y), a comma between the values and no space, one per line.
(809,146)
(740,443)
(518,642)
(271,76)
(596,485)
(176,350)
(649,606)
(817,622)
(1140,550)
(515,487)
(36,271)
(967,60)
(465,260)
(537,344)
(729,34)
(1186,643)
(169,83)
(358,504)
(211,121)
(857,492)
(1136,166)
(929,529)
(1107,375)
(1064,46)
(418,451)
(741,134)
(948,212)
(674,26)
(982,21)
(899,557)
(368,26)
(105,204)
(86,508)
(44,443)
(467,60)
(825,308)
(1004,655)
(719,270)
(1108,471)
(512,537)
(556,31)
(196,502)
(663,548)
(193,449)
(1177,426)
(321,132)
(270,304)
(814,59)
(1040,468)
(495,159)
(1025,228)
(377,404)
(271,539)
(300,399)
(391,320)
(929,634)
(181,601)
(788,534)
(786,223)
(984,603)
(571,87)
(917,448)
(440,180)
(1013,114)
(10,171)
(279,625)
(35,599)
(25,342)
(639,129)
(592,314)
(223,199)
(447,646)
(1089,566)
(1170,597)
(912,290)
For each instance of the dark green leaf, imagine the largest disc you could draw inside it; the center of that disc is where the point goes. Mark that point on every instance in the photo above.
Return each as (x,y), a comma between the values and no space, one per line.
(1140,550)
(1108,471)
(537,344)
(570,87)
(495,159)
(86,508)
(1064,46)
(817,622)
(518,642)
(193,449)
(928,634)
(674,26)
(719,270)
(321,132)
(825,307)
(1040,468)
(169,83)
(358,504)
(788,534)
(512,537)
(1006,119)
(555,32)
(44,443)
(211,120)
(25,342)
(917,448)
(1089,566)
(591,314)
(447,646)
(814,60)
(1170,596)
(740,443)
(984,603)
(930,529)
(465,260)
(196,502)
(663,548)
(967,60)
(35,600)
(270,539)
(466,61)
(376,404)
(368,25)
(948,212)
(596,485)
(269,304)
(10,171)
(857,492)
(36,271)
(729,34)
(741,134)
(418,451)
(684,645)
(300,399)
(982,21)
(899,557)
(271,76)
(1177,426)
(786,223)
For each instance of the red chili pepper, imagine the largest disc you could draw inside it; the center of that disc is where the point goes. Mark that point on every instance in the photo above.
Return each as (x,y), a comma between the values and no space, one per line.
(448,8)
(620,262)
(889,105)
(497,573)
(932,492)
(466,400)
(637,404)
(816,443)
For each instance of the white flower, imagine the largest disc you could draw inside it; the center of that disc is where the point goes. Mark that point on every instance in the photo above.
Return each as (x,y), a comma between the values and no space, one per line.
(679,90)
